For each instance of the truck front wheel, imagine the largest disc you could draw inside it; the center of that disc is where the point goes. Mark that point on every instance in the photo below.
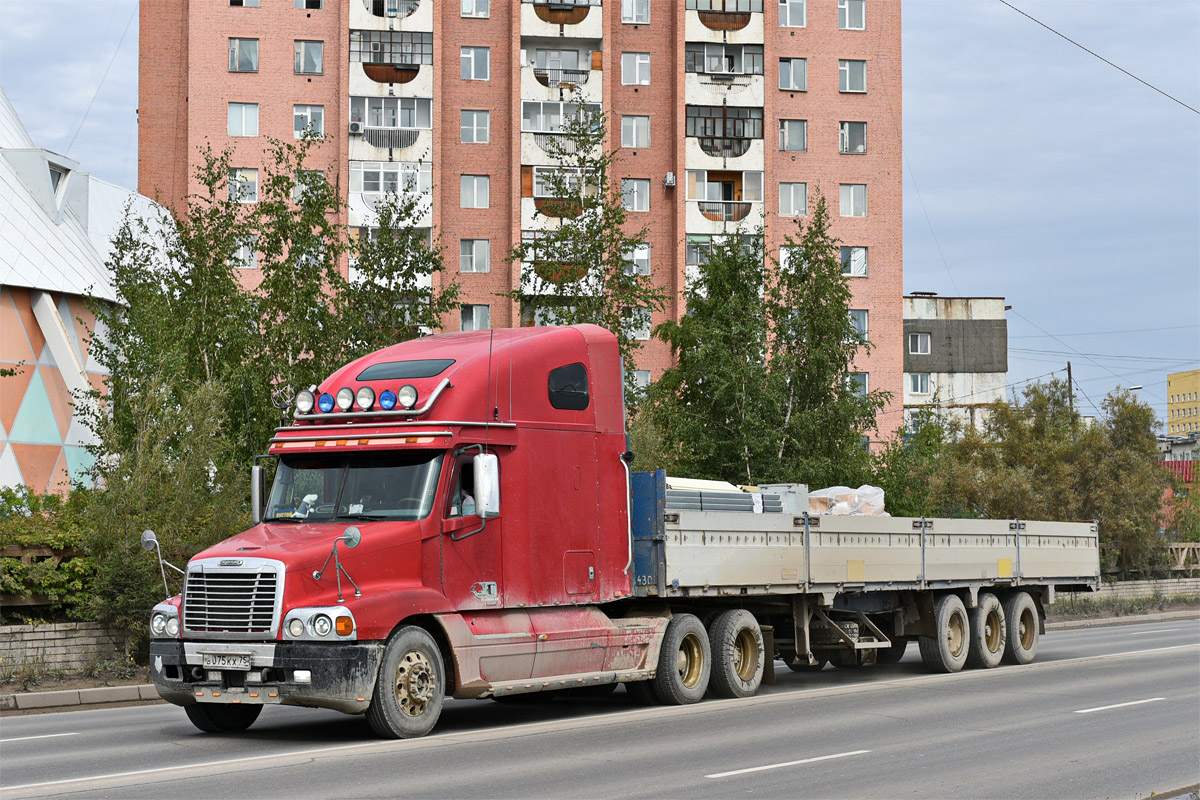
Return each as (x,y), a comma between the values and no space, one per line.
(684,663)
(411,686)
(946,651)
(231,718)
(736,641)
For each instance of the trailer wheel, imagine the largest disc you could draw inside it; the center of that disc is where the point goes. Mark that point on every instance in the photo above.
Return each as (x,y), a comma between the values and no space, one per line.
(988,632)
(212,718)
(684,664)
(411,686)
(642,693)
(893,654)
(1021,641)
(738,654)
(947,651)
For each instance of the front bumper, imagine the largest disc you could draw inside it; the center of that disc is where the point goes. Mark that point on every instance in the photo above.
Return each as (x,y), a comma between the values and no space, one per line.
(341,674)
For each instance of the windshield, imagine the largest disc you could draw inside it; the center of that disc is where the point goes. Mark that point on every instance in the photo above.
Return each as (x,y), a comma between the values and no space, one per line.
(384,486)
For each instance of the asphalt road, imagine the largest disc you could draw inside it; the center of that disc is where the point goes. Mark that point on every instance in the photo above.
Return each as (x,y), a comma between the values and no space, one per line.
(1104,712)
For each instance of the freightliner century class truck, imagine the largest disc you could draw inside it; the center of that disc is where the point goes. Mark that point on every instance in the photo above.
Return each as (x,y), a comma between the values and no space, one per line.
(455,516)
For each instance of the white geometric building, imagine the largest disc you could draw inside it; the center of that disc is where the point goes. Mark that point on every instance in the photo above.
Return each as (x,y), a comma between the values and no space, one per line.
(56,224)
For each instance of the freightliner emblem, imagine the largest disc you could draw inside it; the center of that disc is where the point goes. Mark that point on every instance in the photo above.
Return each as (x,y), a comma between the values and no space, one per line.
(231,562)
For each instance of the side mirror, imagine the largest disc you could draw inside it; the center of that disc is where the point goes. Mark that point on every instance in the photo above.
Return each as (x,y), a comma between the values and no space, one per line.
(257,474)
(149,540)
(352,536)
(487,485)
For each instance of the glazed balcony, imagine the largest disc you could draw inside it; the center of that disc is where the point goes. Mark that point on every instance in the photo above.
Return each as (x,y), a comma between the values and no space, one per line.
(408,15)
(562,18)
(719,74)
(729,21)
(716,134)
(388,58)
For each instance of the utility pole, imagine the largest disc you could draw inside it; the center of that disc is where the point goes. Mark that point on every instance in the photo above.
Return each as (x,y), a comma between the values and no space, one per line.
(1070,388)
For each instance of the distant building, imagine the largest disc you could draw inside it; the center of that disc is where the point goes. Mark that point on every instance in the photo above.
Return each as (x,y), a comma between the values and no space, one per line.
(955,355)
(56,223)
(1183,403)
(1180,447)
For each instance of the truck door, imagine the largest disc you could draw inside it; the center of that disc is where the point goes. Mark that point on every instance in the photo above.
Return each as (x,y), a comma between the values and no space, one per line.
(471,560)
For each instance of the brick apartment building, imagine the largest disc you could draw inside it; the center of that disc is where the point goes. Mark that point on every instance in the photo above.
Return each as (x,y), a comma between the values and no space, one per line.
(723,110)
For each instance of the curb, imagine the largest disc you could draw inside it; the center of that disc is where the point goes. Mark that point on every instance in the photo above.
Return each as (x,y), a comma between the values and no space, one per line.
(1133,619)
(77,697)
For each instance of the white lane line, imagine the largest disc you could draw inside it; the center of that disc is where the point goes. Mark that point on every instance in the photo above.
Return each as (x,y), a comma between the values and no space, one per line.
(1119,705)
(786,764)
(1159,630)
(43,736)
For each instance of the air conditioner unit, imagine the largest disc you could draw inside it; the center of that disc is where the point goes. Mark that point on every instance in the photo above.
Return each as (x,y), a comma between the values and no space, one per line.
(356,127)
(669,179)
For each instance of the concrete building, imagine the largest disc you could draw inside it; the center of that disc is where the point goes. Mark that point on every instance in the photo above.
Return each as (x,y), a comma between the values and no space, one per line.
(56,222)
(1183,403)
(724,111)
(955,355)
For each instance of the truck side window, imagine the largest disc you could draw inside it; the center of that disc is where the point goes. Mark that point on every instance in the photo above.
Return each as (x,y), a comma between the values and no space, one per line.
(569,387)
(462,502)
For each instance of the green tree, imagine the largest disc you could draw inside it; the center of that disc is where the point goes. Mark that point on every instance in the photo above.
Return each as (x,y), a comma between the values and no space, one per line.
(577,263)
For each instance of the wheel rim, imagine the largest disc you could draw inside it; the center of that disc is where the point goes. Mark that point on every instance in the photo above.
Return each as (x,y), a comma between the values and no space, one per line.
(745,655)
(991,632)
(1028,629)
(415,683)
(956,635)
(690,660)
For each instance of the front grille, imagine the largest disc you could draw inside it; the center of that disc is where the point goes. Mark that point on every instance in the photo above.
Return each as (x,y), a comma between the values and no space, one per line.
(231,600)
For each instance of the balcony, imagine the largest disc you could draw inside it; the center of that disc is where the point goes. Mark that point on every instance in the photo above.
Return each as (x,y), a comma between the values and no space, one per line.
(561,78)
(740,22)
(389,57)
(724,210)
(721,197)
(571,18)
(409,15)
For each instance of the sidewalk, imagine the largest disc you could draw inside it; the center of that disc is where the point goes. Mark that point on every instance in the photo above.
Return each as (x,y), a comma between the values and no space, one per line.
(73,698)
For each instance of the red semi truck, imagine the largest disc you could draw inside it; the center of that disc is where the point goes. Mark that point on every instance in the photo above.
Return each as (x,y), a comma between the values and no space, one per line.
(456,516)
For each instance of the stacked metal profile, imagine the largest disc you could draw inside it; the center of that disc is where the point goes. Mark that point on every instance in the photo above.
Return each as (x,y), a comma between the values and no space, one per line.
(695,500)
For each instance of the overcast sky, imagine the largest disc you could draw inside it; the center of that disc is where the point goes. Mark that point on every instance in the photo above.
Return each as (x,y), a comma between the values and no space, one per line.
(1033,170)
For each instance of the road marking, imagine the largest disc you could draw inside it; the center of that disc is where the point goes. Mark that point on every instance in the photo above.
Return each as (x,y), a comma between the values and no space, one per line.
(1119,705)
(43,736)
(1159,630)
(786,764)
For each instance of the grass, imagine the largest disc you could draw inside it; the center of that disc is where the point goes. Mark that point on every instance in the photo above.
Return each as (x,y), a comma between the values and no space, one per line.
(1096,606)
(29,674)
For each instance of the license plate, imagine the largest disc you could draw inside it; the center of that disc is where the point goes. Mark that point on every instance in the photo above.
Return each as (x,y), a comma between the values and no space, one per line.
(225,661)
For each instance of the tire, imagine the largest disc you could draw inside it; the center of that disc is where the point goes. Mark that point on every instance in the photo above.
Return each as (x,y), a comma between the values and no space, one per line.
(684,663)
(845,660)
(988,632)
(595,690)
(947,651)
(411,686)
(893,654)
(1021,639)
(230,718)
(642,693)
(738,655)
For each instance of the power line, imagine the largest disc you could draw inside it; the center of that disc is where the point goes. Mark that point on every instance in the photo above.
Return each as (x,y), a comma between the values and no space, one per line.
(929,222)
(1108,356)
(1102,58)
(1107,333)
(103,77)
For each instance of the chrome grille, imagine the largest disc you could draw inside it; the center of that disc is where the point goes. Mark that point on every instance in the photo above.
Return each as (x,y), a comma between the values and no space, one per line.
(232,601)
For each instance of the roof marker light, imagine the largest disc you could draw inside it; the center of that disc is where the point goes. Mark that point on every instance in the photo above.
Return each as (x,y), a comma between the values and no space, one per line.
(365,398)
(407,396)
(304,401)
(325,402)
(345,398)
(387,399)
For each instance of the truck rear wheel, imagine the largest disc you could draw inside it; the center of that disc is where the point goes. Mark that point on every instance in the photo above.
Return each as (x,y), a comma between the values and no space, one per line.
(684,663)
(411,686)
(947,650)
(231,718)
(1021,639)
(736,641)
(987,632)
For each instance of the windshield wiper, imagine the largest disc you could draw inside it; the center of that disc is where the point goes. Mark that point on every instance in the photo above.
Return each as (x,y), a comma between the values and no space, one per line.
(369,517)
(296,520)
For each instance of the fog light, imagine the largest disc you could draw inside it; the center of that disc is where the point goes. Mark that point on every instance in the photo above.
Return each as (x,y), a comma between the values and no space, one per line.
(305,401)
(158,624)
(387,399)
(345,626)
(296,628)
(302,676)
(407,395)
(365,398)
(325,402)
(173,626)
(345,398)
(321,625)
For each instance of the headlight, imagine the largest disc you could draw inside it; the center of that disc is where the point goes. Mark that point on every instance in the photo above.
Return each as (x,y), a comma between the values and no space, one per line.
(321,625)
(305,401)
(407,396)
(365,398)
(173,626)
(345,398)
(158,624)
(325,402)
(387,399)
(296,628)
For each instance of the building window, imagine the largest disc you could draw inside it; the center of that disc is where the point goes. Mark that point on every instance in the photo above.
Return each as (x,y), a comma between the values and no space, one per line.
(635,194)
(243,185)
(308,118)
(641,380)
(309,57)
(789,259)
(306,179)
(243,119)
(918,382)
(243,55)
(476,318)
(374,177)
(635,69)
(246,3)
(852,76)
(637,260)
(854,261)
(636,12)
(859,383)
(552,181)
(549,117)
(852,15)
(475,126)
(246,256)
(475,8)
(311,5)
(852,137)
(793,134)
(724,187)
(858,323)
(793,199)
(474,255)
(724,122)
(727,6)
(918,344)
(724,59)
(792,13)
(635,131)
(637,323)
(476,63)
(475,190)
(404,48)
(793,74)
(392,112)
(853,199)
